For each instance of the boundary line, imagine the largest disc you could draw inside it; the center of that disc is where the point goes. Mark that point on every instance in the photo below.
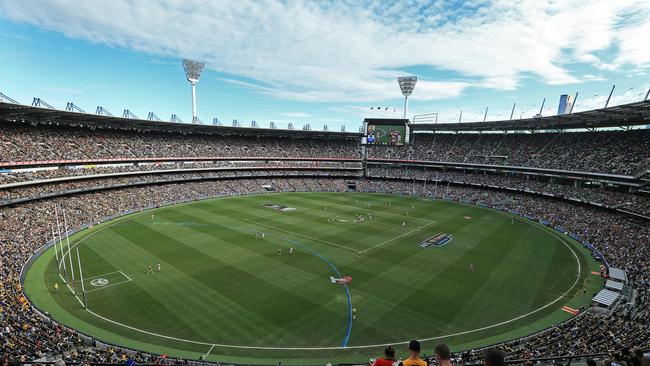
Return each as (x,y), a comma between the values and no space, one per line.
(547,230)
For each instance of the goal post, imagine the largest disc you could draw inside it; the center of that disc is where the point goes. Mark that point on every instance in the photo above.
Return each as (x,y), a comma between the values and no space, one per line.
(58,229)
(67,238)
(56,253)
(81,277)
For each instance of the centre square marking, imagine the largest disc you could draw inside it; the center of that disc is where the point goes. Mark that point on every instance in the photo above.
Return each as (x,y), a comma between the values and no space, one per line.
(99,282)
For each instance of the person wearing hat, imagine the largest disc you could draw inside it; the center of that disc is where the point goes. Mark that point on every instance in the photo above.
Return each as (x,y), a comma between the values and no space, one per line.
(414,356)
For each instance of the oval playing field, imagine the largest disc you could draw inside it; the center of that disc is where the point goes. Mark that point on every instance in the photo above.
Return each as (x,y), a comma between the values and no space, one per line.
(254,278)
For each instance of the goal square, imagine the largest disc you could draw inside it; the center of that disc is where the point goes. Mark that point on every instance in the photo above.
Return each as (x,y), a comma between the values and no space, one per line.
(103,281)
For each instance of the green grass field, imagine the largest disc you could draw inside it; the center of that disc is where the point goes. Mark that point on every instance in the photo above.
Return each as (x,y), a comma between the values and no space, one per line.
(225,293)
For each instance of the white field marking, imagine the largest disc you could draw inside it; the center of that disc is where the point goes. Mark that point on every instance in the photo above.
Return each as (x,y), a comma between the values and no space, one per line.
(124,274)
(373,345)
(75,295)
(95,232)
(305,236)
(549,231)
(71,290)
(128,279)
(207,354)
(106,275)
(395,238)
(79,242)
(107,286)
(93,277)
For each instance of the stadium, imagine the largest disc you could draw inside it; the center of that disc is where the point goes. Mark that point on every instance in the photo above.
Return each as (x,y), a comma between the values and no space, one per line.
(507,241)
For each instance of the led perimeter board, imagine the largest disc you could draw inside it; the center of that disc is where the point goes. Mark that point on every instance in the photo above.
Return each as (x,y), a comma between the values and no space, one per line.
(383,131)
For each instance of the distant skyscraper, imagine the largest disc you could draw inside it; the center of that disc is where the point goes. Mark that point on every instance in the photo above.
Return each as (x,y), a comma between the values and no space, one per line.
(566,102)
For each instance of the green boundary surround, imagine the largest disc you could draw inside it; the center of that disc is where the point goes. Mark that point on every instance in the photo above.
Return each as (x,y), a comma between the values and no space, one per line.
(575,300)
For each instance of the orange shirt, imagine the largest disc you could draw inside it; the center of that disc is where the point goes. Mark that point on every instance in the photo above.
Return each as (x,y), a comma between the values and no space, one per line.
(416,362)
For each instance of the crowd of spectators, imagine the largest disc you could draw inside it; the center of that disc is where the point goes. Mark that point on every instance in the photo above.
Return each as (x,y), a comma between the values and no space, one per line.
(623,239)
(40,173)
(24,142)
(599,194)
(98,182)
(615,152)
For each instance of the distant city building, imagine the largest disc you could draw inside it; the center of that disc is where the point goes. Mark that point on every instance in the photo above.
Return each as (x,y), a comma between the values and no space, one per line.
(566,102)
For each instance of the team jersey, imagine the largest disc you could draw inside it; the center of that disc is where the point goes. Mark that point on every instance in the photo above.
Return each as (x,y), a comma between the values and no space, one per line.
(383,362)
(417,362)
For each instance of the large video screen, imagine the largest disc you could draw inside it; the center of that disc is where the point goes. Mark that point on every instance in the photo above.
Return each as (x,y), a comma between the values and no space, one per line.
(386,134)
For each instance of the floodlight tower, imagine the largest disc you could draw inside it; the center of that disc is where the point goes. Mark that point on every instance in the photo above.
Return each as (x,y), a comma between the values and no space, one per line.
(406,84)
(193,70)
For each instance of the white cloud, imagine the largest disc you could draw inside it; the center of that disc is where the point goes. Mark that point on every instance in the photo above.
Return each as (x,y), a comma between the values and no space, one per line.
(353,51)
(592,77)
(295,114)
(634,48)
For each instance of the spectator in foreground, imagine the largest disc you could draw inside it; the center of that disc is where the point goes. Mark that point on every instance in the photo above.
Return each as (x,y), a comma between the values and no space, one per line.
(494,357)
(388,359)
(443,355)
(414,356)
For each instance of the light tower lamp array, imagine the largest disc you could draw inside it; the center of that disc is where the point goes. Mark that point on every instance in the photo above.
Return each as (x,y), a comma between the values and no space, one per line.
(193,70)
(407,84)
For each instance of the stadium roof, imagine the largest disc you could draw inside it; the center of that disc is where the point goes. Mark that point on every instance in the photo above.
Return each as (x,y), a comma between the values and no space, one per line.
(22,113)
(606,297)
(614,285)
(633,114)
(617,274)
(625,115)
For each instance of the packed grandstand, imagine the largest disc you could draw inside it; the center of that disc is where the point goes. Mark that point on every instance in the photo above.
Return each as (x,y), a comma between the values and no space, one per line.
(594,184)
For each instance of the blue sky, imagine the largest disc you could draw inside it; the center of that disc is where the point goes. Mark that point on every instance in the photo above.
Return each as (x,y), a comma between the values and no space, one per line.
(324,62)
